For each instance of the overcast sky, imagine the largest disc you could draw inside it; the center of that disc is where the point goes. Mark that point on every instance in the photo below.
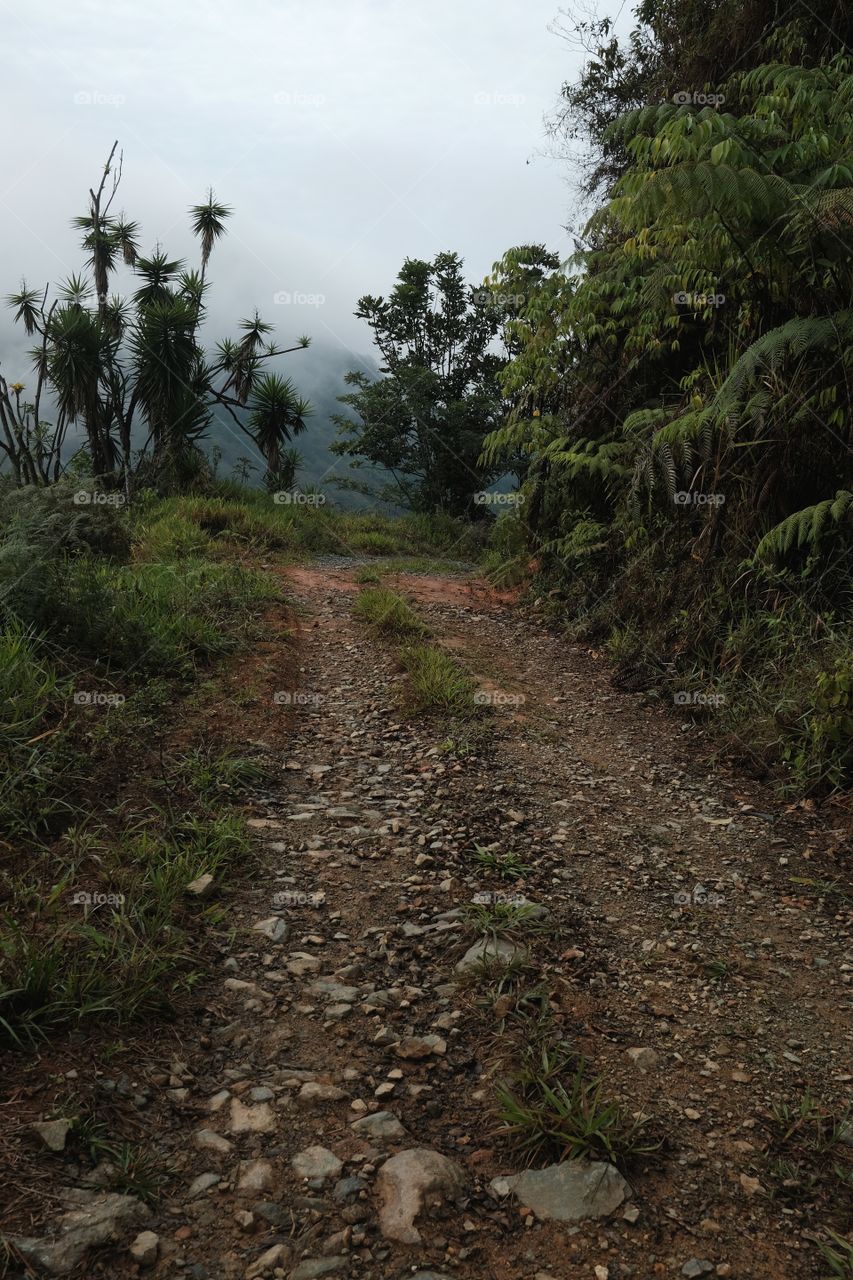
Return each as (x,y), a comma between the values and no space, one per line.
(346,134)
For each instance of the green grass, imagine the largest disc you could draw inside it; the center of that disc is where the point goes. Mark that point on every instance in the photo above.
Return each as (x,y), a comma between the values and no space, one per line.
(438,683)
(64,964)
(78,616)
(837,1253)
(211,772)
(251,519)
(52,980)
(31,697)
(387,613)
(507,919)
(507,865)
(95,601)
(548,1109)
(809,1169)
(470,738)
(124,1167)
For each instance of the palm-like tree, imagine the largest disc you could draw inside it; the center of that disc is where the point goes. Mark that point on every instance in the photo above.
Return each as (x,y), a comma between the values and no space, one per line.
(277,415)
(208,223)
(118,364)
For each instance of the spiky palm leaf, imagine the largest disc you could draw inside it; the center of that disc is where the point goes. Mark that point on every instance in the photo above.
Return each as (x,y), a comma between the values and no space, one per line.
(165,366)
(28,307)
(277,414)
(159,271)
(75,360)
(208,223)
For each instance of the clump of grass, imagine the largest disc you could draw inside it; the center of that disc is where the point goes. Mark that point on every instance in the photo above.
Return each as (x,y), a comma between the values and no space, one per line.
(173,536)
(149,617)
(438,683)
(388,613)
(209,773)
(549,1109)
(33,757)
(54,979)
(471,737)
(828,889)
(368,576)
(124,1167)
(76,616)
(507,865)
(838,1255)
(810,1161)
(374,543)
(506,919)
(259,525)
(502,986)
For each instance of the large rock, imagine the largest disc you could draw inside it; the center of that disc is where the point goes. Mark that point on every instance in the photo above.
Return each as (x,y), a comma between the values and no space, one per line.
(259,1119)
(254,1175)
(203,887)
(146,1248)
(382,1125)
(313,1268)
(420,1046)
(202,1183)
(278,1255)
(273,928)
(643,1057)
(313,1094)
(317,1162)
(92,1218)
(207,1140)
(491,951)
(53,1133)
(415,1182)
(336,992)
(567,1192)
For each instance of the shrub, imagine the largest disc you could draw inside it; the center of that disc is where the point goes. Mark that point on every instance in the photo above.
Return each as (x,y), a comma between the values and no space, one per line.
(57,522)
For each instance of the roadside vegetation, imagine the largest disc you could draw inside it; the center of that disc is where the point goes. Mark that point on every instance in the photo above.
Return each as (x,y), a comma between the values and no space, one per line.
(103,632)
(680,389)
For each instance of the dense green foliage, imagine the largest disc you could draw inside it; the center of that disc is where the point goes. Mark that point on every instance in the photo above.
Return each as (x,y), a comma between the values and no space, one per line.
(682,50)
(682,393)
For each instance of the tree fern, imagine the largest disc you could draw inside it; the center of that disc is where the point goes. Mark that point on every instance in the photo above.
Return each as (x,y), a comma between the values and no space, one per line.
(805,529)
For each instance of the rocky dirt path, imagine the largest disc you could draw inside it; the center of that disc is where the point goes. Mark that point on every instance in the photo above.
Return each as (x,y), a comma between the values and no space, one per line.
(329,1113)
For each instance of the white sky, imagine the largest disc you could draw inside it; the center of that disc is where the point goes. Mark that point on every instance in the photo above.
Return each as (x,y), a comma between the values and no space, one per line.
(346,134)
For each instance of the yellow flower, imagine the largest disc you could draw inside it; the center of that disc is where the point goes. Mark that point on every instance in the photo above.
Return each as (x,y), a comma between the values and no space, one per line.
(17,387)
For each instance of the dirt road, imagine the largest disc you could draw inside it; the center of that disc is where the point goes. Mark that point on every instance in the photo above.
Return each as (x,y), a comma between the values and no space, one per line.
(677,956)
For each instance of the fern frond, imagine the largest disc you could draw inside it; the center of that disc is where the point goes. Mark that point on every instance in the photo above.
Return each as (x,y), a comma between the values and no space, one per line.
(806,528)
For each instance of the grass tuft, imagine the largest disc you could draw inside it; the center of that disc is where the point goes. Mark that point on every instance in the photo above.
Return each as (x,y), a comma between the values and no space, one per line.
(387,613)
(438,682)
(549,1110)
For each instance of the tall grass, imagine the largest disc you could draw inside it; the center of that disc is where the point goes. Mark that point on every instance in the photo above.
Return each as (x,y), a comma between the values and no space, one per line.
(31,734)
(253,520)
